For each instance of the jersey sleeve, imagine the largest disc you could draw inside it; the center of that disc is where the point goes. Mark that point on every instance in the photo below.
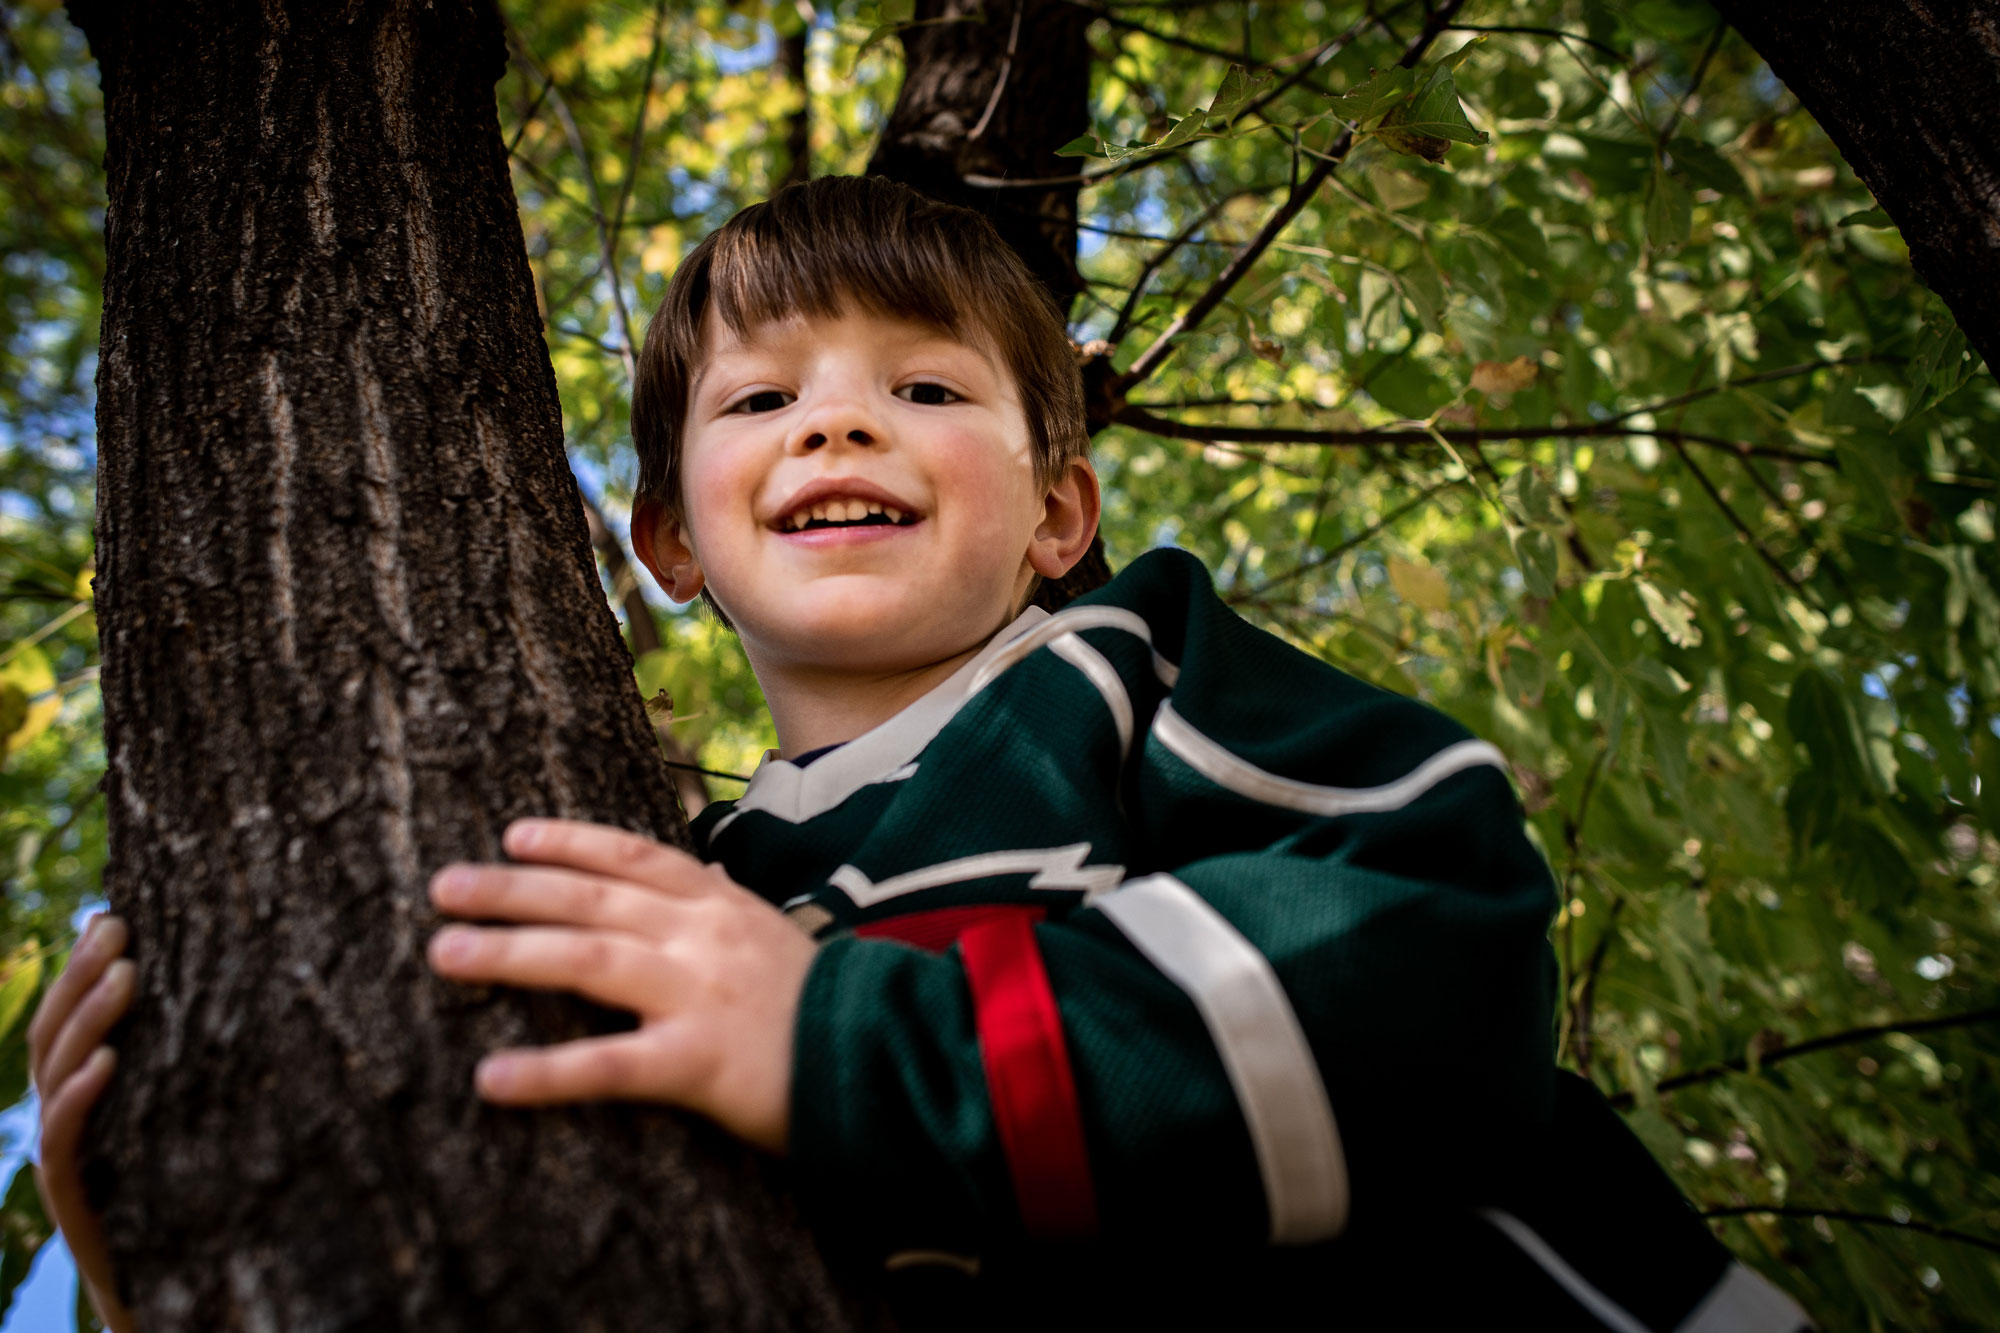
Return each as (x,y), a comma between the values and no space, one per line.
(1327,986)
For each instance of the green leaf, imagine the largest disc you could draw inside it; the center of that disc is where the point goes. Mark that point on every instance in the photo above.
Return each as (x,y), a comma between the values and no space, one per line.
(1382,90)
(1941,364)
(1239,89)
(1184,129)
(1427,125)
(1868,217)
(1083,145)
(1669,212)
(1535,552)
(1704,165)
(1674,615)
(1823,718)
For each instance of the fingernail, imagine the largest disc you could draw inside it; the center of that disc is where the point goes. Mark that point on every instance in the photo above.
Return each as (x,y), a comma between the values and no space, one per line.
(452,883)
(522,835)
(452,945)
(493,1075)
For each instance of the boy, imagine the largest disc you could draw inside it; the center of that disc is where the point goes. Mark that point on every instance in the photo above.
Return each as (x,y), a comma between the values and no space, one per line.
(1117,964)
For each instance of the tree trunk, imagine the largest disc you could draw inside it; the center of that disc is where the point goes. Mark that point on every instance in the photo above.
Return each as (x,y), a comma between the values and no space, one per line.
(350,628)
(990,91)
(1906,89)
(992,88)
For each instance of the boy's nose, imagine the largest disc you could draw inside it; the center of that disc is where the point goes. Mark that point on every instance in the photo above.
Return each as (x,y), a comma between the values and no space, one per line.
(813,439)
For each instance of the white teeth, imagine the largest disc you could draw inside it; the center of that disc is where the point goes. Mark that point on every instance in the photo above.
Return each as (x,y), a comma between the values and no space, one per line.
(841,511)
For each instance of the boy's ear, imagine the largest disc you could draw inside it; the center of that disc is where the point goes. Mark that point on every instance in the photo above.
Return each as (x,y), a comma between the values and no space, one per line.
(660,541)
(1069,520)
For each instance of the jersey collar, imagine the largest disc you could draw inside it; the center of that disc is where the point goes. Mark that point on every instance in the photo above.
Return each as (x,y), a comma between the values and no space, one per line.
(796,794)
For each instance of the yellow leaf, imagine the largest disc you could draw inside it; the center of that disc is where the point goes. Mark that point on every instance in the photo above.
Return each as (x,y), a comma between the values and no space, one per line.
(28,699)
(1422,586)
(663,249)
(20,975)
(1502,377)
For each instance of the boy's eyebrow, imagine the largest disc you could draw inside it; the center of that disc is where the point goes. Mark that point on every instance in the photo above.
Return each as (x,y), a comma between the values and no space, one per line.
(977,346)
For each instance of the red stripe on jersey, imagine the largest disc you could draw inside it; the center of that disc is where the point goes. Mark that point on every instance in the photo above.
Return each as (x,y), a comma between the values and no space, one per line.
(1028,1079)
(939,929)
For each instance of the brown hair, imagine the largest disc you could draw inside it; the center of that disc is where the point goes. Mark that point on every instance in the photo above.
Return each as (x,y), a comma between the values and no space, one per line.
(813,248)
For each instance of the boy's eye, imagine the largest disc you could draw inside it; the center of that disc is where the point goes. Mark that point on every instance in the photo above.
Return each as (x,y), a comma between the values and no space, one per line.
(928,394)
(765,400)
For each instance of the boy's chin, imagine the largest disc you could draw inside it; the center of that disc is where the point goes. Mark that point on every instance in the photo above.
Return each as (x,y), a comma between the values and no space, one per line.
(886,629)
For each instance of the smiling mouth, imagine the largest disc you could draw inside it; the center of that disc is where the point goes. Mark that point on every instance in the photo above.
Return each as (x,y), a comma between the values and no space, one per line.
(845,514)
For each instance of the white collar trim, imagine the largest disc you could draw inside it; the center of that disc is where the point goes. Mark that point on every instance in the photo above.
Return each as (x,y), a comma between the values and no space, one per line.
(793,794)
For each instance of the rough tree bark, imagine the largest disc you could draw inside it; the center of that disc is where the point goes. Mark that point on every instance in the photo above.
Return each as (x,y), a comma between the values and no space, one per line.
(990,91)
(992,88)
(350,628)
(1879,75)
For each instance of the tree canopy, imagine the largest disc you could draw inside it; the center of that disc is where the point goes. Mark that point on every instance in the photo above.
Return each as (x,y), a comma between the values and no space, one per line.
(1584,393)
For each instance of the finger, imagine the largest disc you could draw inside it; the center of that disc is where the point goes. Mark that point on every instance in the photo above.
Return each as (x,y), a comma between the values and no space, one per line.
(103,939)
(625,1065)
(555,897)
(97,1013)
(64,1111)
(610,968)
(603,850)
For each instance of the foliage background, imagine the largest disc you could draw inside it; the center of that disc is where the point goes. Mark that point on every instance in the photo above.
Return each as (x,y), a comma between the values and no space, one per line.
(1717,569)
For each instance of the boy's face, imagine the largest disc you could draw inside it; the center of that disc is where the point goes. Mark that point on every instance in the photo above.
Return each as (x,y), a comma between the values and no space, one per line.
(859,492)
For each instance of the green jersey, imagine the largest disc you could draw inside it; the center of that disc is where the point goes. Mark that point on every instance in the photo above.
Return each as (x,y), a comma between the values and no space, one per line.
(1148,935)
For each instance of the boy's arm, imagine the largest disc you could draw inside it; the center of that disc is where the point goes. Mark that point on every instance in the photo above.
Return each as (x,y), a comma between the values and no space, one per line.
(1253,1048)
(1327,985)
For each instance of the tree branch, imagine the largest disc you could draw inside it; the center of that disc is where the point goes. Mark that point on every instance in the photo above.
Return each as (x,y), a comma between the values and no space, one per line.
(1909,1027)
(1153,357)
(1157,260)
(606,236)
(1847,1215)
(1329,556)
(1389,437)
(1736,521)
(1762,377)
(1309,62)
(1611,51)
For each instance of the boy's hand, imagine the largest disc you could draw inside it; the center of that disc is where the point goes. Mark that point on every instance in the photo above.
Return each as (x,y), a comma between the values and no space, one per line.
(713,972)
(71,1066)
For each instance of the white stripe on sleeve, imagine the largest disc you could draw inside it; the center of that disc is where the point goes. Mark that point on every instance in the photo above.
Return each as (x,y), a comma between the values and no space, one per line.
(1262,1046)
(1745,1302)
(1104,676)
(1229,770)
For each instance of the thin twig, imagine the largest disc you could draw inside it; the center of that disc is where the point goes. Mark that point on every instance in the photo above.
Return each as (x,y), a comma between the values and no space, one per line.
(1572,839)
(606,237)
(1736,521)
(1006,68)
(1157,260)
(1611,51)
(1153,357)
(639,119)
(1694,84)
(1849,1037)
(1324,52)
(1762,377)
(1332,554)
(1848,1215)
